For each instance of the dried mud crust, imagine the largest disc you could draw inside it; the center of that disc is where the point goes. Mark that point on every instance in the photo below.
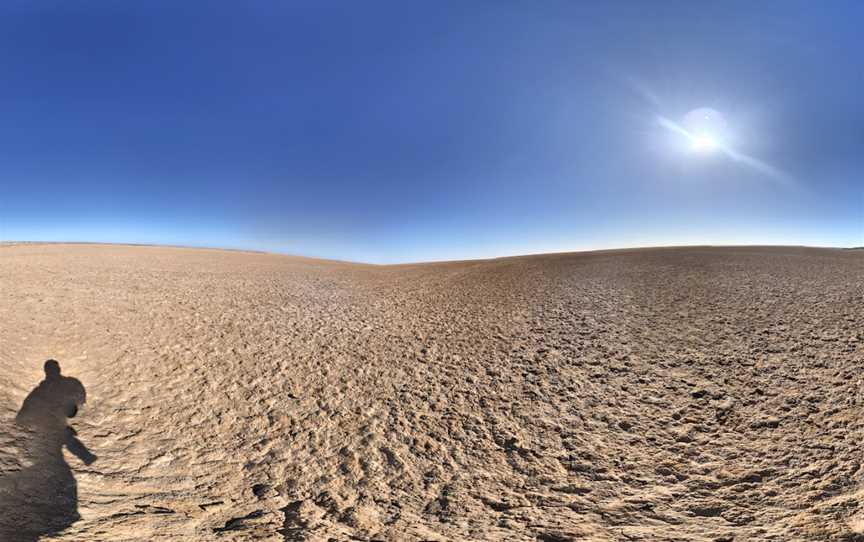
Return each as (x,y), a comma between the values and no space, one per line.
(700,394)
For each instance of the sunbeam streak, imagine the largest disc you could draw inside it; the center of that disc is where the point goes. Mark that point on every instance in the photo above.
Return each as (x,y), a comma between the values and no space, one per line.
(704,142)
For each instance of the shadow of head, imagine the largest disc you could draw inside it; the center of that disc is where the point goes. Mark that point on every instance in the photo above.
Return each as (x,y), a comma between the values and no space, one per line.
(41,497)
(56,398)
(52,368)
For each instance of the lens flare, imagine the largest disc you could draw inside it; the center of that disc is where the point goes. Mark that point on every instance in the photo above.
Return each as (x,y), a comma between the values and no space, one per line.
(704,143)
(706,132)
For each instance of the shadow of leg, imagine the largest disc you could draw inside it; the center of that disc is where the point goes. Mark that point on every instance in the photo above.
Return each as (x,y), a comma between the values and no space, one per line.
(38,500)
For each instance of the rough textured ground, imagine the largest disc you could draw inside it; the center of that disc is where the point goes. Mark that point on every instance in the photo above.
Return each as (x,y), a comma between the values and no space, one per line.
(700,394)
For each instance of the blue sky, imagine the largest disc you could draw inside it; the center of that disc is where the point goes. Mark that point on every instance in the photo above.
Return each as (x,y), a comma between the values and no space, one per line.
(404,131)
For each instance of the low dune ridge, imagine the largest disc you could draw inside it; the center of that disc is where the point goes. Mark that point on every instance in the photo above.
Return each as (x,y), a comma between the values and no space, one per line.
(700,394)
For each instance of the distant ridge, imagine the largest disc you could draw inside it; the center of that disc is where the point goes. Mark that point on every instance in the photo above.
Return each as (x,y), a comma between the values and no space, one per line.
(155,245)
(596,251)
(180,247)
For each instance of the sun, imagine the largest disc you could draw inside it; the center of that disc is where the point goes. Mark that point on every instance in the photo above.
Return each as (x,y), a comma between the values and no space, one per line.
(703,132)
(703,143)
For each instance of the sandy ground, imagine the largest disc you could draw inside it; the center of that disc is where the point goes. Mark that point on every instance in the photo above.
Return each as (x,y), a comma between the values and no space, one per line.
(700,394)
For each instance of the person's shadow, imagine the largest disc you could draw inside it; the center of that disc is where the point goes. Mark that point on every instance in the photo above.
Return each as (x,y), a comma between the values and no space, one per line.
(41,497)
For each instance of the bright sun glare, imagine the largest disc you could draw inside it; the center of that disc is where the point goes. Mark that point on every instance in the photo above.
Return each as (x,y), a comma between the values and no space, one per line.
(703,143)
(706,132)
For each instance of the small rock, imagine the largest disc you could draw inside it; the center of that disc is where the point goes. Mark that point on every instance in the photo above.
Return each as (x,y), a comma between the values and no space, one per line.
(698,394)
(769,422)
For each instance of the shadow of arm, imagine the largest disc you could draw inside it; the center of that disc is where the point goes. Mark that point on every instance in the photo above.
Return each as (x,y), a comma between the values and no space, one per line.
(77,448)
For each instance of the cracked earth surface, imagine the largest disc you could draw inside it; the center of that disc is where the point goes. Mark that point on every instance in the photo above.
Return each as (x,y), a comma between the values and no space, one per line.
(700,394)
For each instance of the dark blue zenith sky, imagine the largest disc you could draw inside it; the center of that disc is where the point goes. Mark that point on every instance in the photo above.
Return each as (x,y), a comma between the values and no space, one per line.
(400,131)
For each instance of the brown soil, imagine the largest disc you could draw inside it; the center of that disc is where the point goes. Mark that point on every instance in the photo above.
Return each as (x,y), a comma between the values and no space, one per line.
(699,394)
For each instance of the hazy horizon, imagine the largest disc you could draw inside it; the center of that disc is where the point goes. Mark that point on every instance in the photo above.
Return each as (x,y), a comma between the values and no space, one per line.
(432,261)
(392,133)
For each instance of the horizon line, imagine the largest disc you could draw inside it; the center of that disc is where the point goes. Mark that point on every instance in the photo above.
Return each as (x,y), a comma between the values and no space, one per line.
(5,243)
